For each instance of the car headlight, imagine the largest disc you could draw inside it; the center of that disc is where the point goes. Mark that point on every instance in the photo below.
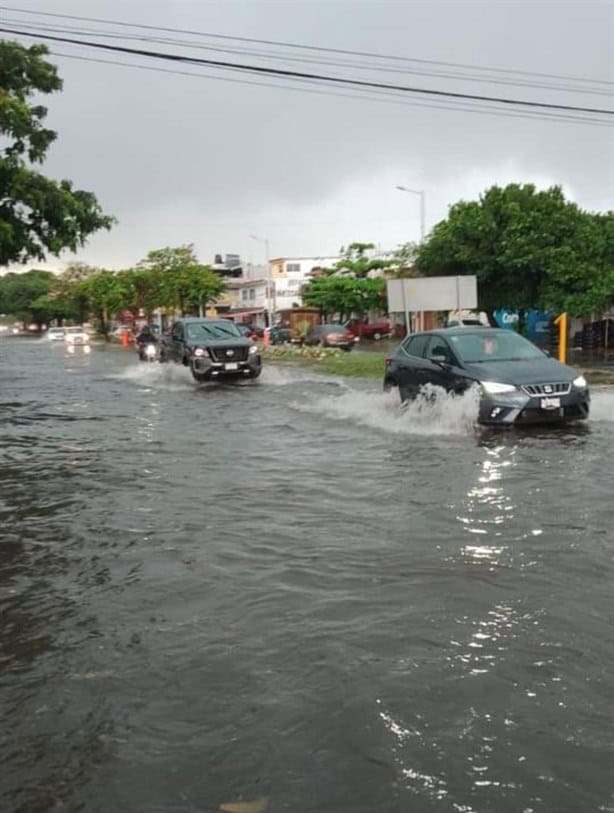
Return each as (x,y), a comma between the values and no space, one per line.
(199,351)
(253,349)
(580,382)
(496,387)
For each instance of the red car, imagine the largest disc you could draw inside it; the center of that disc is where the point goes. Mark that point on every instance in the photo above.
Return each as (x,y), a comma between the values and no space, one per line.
(369,330)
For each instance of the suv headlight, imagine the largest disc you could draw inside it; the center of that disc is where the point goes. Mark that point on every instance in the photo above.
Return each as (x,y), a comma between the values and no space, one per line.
(199,351)
(253,349)
(496,388)
(580,382)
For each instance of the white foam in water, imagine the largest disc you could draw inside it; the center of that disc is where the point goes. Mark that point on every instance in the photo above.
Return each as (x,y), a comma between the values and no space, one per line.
(435,412)
(160,376)
(602,405)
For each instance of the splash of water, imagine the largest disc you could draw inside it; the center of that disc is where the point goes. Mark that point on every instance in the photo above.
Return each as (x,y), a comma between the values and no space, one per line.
(434,412)
(602,405)
(171,377)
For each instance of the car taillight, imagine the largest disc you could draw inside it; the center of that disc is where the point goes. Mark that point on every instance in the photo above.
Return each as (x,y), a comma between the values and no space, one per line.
(388,361)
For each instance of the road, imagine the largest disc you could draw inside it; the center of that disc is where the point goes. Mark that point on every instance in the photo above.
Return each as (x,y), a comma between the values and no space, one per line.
(291,589)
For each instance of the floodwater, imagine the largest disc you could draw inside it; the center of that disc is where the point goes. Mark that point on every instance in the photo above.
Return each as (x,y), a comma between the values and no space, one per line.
(293,594)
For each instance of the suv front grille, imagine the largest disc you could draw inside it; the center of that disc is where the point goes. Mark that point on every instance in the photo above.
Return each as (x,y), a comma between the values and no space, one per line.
(559,388)
(227,354)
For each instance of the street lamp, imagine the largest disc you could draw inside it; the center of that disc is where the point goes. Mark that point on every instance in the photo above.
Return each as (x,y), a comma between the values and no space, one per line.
(422,205)
(268,277)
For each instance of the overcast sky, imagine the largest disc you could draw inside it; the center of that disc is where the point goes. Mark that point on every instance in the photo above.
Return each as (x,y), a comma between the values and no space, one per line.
(180,159)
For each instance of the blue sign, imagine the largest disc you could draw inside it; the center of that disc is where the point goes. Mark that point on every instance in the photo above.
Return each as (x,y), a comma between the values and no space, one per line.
(537,323)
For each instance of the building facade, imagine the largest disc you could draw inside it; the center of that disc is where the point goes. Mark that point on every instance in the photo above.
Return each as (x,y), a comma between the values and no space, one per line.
(290,274)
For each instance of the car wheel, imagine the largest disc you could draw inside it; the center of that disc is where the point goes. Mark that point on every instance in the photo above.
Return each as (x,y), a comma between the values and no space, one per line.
(162,357)
(255,373)
(377,336)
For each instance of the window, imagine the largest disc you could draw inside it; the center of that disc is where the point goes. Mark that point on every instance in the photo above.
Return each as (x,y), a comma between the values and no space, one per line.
(495,345)
(178,332)
(293,283)
(415,345)
(439,347)
(293,268)
(210,329)
(252,294)
(244,295)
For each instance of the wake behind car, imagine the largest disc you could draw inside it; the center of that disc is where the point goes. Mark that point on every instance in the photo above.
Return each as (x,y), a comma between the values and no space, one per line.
(212,349)
(518,382)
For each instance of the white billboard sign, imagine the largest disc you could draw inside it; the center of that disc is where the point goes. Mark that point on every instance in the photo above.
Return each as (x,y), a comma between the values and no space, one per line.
(432,294)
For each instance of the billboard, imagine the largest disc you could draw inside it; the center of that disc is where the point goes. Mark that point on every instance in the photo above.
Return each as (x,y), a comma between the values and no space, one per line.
(432,294)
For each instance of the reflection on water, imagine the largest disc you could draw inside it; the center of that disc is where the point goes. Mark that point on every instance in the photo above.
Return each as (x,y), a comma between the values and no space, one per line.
(293,590)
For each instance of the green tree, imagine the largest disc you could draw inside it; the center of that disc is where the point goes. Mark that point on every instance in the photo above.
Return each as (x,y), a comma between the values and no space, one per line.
(185,284)
(343,296)
(38,215)
(357,260)
(527,249)
(23,296)
(107,293)
(145,286)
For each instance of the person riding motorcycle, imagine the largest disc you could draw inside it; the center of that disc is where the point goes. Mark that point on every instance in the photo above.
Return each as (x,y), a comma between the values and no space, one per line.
(144,338)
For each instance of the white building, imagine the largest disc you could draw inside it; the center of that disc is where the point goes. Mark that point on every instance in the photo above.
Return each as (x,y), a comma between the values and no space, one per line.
(290,274)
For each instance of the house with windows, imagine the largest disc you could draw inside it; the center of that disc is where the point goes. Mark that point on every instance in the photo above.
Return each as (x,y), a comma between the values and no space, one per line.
(290,274)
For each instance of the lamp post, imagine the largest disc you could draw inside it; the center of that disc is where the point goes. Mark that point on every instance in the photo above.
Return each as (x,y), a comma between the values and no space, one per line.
(269,281)
(422,195)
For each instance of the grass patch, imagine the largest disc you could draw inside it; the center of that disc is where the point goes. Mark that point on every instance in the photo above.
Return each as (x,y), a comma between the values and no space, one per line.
(332,362)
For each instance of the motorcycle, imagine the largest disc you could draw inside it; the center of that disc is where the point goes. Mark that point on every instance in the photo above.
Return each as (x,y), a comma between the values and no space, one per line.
(147,351)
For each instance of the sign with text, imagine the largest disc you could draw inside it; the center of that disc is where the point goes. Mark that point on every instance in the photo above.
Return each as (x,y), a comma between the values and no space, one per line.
(432,294)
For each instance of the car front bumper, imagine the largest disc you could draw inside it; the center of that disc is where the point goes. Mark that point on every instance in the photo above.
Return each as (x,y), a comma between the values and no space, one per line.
(204,366)
(517,408)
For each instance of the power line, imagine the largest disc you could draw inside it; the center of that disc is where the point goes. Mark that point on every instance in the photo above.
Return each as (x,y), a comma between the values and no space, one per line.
(288,74)
(388,98)
(315,48)
(268,56)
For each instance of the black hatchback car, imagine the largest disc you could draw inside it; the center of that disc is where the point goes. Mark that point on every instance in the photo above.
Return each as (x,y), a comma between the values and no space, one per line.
(212,349)
(518,382)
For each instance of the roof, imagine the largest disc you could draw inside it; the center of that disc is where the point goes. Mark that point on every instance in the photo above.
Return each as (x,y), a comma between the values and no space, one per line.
(464,330)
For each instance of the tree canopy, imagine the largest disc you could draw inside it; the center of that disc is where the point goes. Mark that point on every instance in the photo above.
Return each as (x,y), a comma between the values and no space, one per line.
(38,215)
(343,296)
(527,248)
(357,261)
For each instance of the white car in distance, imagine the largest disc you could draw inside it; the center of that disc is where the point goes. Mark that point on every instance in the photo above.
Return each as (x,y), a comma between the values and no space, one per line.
(56,334)
(75,335)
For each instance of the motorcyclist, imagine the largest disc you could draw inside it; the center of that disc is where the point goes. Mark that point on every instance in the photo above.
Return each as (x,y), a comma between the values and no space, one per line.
(144,338)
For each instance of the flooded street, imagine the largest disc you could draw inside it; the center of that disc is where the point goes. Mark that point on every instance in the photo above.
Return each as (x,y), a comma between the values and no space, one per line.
(292,590)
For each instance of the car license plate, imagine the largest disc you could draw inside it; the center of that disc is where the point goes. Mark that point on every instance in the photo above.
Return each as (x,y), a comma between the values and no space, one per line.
(231,365)
(550,403)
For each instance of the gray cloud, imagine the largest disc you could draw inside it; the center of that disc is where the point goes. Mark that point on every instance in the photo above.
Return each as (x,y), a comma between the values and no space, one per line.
(181,159)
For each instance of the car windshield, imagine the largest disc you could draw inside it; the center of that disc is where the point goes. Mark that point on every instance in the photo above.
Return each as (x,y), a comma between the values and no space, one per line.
(213,330)
(474,348)
(334,328)
(74,330)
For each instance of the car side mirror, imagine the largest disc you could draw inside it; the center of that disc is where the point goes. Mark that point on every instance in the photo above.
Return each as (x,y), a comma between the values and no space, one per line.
(441,359)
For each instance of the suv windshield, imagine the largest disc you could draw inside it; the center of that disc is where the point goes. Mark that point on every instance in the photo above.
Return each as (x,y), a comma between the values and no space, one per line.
(506,345)
(213,330)
(74,330)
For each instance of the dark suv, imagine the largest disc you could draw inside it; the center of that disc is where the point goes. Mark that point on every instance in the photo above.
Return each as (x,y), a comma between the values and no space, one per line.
(211,348)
